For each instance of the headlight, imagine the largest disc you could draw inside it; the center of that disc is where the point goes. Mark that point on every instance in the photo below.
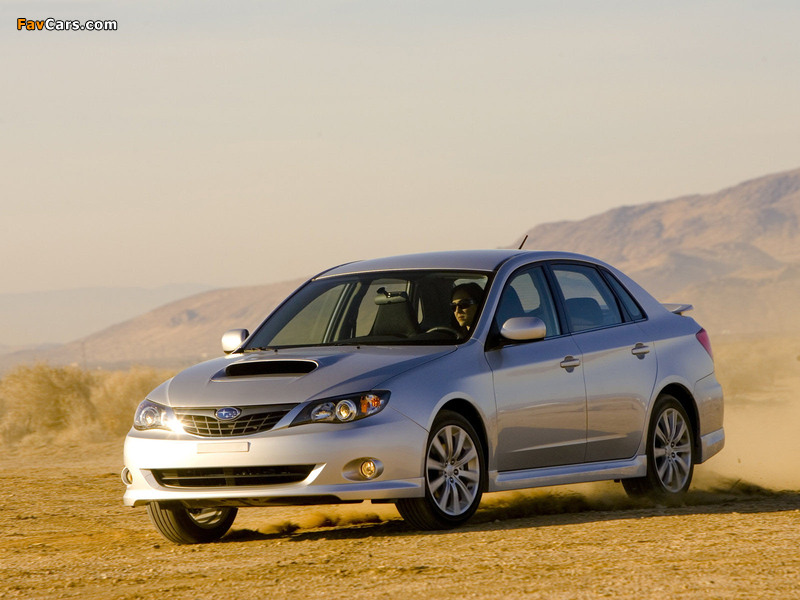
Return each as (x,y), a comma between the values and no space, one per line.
(342,410)
(150,415)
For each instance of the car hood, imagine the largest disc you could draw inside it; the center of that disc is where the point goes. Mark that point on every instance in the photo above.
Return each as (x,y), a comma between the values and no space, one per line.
(291,375)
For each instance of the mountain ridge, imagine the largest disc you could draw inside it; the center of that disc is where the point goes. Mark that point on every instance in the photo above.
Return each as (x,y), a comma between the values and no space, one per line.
(752,224)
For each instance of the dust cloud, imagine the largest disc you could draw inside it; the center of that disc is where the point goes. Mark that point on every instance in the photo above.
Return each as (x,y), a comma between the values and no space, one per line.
(761,380)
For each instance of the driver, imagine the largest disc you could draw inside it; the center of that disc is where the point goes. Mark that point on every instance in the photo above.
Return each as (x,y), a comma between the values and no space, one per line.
(464,301)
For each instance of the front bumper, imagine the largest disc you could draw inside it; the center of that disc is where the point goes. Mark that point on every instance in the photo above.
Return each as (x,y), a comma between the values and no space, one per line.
(389,437)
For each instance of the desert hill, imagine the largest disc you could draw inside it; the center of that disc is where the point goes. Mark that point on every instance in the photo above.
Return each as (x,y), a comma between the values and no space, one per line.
(174,335)
(734,254)
(57,316)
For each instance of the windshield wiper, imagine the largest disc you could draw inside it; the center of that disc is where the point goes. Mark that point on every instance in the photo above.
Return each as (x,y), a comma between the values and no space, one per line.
(257,349)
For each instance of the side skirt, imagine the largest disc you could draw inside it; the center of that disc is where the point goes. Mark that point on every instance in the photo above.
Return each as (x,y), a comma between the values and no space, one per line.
(580,473)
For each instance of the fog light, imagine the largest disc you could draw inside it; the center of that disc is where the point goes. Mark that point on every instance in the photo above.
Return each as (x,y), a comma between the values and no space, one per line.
(363,469)
(126,476)
(368,469)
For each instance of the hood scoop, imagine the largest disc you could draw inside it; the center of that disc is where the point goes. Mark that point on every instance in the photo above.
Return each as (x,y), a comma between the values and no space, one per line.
(270,368)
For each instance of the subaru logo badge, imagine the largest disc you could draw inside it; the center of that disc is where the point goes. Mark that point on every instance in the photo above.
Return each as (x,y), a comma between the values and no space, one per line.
(228,413)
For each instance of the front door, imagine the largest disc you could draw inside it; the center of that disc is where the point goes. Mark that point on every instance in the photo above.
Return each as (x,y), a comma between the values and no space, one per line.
(539,388)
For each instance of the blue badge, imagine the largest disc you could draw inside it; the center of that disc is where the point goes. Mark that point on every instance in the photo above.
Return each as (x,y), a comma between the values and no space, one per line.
(228,413)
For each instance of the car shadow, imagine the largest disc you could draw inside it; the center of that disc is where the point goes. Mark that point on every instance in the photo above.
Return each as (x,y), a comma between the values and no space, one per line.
(522,511)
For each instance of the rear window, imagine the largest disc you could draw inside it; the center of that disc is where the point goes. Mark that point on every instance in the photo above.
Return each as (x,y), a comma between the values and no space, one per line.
(588,301)
(631,306)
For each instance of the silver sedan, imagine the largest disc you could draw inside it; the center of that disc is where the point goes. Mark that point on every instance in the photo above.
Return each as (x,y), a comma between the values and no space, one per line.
(427,380)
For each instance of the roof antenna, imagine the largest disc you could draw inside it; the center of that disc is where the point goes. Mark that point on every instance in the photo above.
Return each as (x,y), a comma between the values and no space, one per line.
(525,239)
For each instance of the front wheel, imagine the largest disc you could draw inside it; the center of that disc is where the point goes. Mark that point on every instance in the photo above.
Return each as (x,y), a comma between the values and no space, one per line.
(455,476)
(670,453)
(191,525)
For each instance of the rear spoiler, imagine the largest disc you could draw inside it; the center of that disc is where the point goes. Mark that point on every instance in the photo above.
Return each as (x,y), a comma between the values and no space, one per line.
(678,309)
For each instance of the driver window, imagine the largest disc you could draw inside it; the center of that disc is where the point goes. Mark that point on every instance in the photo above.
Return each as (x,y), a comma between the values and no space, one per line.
(527,295)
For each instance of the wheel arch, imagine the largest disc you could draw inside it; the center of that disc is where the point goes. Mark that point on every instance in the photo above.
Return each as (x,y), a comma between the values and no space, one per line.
(467,410)
(687,401)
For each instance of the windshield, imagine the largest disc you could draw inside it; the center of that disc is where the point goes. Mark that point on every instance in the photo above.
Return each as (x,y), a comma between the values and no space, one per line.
(380,308)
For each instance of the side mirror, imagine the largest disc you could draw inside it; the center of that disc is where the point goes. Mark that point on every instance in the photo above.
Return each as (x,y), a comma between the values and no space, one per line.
(232,339)
(524,329)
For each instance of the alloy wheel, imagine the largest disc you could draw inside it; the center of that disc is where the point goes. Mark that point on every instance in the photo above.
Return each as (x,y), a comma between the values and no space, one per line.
(453,470)
(672,450)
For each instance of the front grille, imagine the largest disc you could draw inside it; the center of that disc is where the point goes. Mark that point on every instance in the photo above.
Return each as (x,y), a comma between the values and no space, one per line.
(231,476)
(256,419)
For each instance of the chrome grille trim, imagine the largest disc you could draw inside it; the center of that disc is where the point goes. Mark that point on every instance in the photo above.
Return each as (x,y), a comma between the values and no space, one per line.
(254,419)
(231,476)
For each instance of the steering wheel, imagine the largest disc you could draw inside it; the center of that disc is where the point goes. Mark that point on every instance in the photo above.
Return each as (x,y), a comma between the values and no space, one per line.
(445,329)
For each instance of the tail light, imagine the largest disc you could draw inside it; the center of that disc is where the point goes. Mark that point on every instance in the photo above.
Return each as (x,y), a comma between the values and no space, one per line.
(705,341)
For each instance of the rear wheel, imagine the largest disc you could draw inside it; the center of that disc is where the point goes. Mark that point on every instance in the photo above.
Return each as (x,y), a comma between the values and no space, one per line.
(191,525)
(455,475)
(670,453)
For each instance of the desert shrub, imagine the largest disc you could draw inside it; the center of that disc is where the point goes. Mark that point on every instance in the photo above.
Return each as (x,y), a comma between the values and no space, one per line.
(42,398)
(116,395)
(51,404)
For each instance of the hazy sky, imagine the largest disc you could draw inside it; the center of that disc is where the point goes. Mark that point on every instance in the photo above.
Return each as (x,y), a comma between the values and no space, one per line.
(243,143)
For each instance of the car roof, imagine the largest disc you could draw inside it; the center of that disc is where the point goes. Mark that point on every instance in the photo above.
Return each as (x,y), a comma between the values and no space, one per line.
(469,260)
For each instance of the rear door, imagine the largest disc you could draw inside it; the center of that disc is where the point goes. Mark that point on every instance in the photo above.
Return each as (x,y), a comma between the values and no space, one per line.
(619,366)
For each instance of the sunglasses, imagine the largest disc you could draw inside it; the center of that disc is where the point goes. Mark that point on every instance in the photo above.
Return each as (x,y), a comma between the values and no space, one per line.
(462,304)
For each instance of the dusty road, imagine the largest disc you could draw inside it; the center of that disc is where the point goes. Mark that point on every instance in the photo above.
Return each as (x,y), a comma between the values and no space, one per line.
(65,534)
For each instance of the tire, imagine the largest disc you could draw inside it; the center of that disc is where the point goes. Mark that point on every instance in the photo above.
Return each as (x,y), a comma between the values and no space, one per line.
(455,476)
(670,453)
(191,525)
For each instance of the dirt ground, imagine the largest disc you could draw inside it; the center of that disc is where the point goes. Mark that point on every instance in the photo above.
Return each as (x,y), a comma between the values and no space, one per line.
(65,534)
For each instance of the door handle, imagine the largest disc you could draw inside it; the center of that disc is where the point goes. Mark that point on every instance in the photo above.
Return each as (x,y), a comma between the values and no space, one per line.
(640,349)
(570,362)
